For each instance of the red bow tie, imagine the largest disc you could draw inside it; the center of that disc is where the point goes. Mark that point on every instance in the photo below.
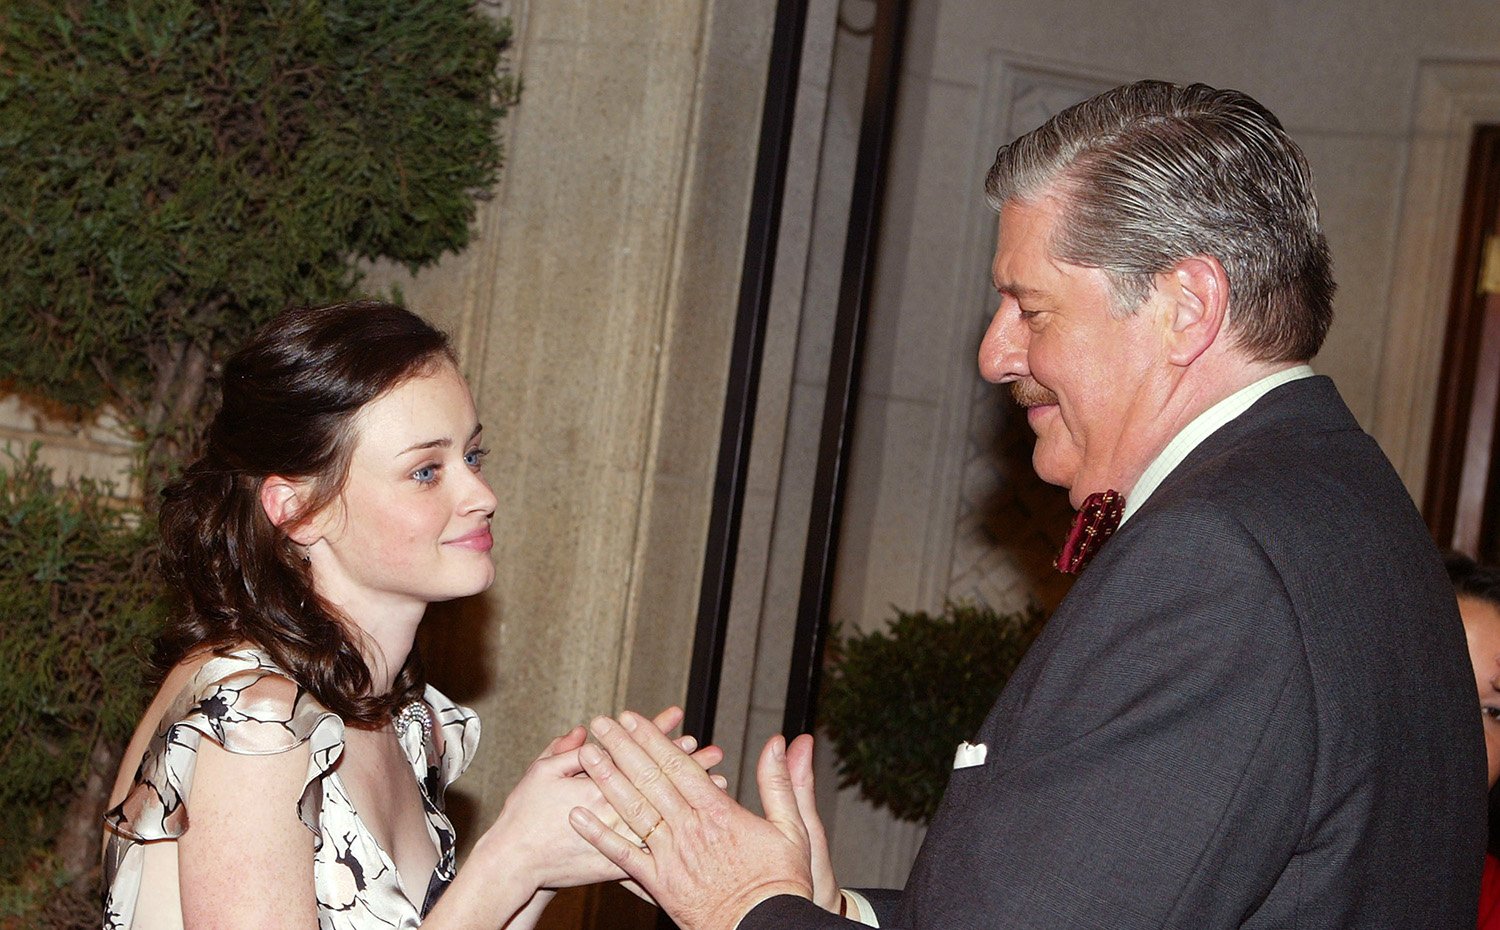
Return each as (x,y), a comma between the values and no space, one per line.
(1094,523)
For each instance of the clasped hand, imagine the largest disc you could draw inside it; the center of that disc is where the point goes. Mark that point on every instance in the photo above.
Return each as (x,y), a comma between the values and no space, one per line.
(705,859)
(526,833)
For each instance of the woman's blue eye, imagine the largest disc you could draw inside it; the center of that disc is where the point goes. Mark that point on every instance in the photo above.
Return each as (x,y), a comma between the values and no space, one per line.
(475,457)
(425,475)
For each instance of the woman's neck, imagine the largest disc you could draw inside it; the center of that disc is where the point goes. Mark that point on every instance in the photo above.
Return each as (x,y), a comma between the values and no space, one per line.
(385,647)
(383,630)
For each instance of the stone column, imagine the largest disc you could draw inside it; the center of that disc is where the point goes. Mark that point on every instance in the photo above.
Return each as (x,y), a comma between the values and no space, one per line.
(594,314)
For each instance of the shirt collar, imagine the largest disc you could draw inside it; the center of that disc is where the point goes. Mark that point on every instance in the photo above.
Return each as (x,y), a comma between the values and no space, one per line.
(1203,426)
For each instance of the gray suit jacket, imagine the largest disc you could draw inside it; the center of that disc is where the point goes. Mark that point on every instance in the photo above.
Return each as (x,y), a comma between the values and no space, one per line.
(1254,709)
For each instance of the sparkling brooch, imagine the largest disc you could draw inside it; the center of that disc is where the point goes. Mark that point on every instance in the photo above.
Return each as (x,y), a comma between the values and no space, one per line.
(414,714)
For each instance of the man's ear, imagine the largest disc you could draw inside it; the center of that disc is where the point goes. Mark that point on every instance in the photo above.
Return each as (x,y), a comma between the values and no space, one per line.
(282,499)
(1198,292)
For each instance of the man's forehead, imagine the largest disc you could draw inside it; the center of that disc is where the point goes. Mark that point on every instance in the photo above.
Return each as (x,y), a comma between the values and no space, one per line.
(1026,225)
(1023,253)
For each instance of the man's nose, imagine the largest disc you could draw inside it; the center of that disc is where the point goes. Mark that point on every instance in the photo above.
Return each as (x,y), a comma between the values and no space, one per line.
(1002,351)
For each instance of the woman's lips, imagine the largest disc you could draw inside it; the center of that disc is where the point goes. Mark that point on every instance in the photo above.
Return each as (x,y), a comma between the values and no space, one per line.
(478,541)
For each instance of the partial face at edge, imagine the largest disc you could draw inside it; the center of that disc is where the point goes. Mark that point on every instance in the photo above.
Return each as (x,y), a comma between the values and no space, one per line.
(1482,630)
(1078,369)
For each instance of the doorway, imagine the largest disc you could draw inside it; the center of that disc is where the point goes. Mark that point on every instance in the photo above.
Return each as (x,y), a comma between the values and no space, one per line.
(1462,501)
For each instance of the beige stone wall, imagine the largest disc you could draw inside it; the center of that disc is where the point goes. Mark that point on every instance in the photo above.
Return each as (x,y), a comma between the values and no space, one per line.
(594,315)
(95,447)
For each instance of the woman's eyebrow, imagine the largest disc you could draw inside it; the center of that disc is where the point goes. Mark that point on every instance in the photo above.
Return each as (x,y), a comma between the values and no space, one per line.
(444,443)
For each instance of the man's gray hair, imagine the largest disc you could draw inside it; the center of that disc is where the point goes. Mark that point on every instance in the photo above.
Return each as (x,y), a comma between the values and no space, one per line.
(1151,173)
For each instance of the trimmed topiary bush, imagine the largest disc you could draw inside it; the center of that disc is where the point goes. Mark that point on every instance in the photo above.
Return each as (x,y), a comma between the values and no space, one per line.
(80,606)
(178,171)
(896,703)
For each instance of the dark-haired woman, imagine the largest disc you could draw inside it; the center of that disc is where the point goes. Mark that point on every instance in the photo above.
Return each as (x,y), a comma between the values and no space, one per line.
(1478,588)
(292,765)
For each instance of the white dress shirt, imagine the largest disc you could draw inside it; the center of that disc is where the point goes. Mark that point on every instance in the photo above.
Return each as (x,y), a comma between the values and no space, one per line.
(1203,426)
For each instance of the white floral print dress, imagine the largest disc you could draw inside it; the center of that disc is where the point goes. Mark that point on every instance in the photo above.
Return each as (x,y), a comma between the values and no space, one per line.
(247,705)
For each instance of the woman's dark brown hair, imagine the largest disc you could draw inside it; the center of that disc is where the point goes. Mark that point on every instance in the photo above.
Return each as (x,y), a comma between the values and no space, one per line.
(290,396)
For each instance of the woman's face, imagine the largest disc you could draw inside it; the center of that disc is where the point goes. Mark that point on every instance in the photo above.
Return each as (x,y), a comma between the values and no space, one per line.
(412,524)
(1482,629)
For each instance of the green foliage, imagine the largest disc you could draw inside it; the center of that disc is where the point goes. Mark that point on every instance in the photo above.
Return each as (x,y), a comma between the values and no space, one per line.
(79,607)
(46,895)
(897,703)
(177,171)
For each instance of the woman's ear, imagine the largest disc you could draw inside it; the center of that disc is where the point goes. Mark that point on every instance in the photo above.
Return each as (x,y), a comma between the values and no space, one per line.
(282,500)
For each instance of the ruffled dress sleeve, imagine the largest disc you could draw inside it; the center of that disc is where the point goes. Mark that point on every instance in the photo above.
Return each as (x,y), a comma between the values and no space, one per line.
(459,727)
(247,706)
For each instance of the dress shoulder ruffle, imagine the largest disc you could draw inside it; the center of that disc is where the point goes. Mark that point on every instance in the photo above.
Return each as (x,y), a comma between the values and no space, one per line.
(459,727)
(246,704)
(249,707)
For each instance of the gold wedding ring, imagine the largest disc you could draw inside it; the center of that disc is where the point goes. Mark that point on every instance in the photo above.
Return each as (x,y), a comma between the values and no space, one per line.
(647,835)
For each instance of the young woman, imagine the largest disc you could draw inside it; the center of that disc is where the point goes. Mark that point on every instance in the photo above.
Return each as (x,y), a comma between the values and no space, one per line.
(291,768)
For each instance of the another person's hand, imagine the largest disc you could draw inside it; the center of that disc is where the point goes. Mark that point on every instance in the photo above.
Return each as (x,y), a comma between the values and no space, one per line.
(532,835)
(705,859)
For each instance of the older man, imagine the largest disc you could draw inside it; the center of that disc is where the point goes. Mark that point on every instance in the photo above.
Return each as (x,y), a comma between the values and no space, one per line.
(1254,708)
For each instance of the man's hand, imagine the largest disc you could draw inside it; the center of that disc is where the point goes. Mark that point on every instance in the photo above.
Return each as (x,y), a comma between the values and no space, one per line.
(530,836)
(707,861)
(799,758)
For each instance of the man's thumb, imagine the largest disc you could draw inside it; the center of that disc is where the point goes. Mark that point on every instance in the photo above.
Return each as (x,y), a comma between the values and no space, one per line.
(776,795)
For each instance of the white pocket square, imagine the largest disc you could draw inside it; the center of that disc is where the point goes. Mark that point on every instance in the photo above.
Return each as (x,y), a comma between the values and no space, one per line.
(970,755)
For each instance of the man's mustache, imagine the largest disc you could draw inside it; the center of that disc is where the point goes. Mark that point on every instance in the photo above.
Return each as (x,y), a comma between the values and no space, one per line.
(1028,393)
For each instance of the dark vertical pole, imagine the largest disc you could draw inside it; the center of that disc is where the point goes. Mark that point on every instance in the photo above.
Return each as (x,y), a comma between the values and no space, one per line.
(744,368)
(844,364)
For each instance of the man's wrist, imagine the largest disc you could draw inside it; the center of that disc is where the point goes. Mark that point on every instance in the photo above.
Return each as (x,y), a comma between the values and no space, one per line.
(753,899)
(852,906)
